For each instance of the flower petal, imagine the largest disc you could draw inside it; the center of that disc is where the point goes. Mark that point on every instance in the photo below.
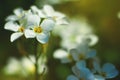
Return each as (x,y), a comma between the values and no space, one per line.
(97,66)
(43,37)
(18,11)
(49,11)
(76,71)
(91,54)
(12,18)
(29,34)
(81,64)
(33,19)
(60,54)
(72,77)
(37,11)
(11,26)
(75,55)
(59,15)
(15,36)
(110,70)
(47,24)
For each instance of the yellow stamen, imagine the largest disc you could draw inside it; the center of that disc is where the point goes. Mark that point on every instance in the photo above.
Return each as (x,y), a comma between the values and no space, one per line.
(70,57)
(103,74)
(21,29)
(82,56)
(37,29)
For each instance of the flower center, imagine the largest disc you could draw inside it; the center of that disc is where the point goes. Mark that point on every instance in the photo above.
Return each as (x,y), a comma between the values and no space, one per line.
(103,74)
(54,17)
(21,29)
(37,29)
(82,56)
(70,57)
(82,79)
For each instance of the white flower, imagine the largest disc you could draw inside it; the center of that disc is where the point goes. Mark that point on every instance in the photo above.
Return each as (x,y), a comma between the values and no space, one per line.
(13,67)
(82,52)
(75,33)
(18,30)
(39,30)
(37,11)
(57,16)
(63,55)
(18,14)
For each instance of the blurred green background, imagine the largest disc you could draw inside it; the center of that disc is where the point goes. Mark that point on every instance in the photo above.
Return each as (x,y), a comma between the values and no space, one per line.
(102,14)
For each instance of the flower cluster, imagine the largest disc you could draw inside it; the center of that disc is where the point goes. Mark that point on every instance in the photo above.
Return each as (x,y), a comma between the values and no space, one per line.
(77,31)
(86,64)
(25,66)
(34,23)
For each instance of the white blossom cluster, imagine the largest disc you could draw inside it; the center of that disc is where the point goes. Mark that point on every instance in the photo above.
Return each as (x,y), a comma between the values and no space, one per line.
(34,23)
(86,64)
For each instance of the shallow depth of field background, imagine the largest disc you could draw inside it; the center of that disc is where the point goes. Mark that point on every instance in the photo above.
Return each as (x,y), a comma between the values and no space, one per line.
(101,14)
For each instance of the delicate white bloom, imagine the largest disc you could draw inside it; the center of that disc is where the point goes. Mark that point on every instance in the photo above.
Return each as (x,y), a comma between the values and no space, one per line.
(82,52)
(63,55)
(18,30)
(18,14)
(37,11)
(39,30)
(57,16)
(25,66)
(75,33)
(13,67)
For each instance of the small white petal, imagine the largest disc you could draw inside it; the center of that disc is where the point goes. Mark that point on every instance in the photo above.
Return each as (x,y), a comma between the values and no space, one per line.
(29,34)
(11,26)
(60,54)
(43,38)
(38,11)
(59,15)
(18,11)
(47,24)
(33,19)
(15,36)
(62,22)
(48,10)
(12,18)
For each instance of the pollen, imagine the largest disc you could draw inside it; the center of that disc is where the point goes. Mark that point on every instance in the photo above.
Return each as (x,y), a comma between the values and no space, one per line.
(37,29)
(21,29)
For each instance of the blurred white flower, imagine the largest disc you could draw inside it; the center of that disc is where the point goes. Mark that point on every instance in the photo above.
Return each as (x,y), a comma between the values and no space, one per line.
(57,16)
(13,67)
(63,55)
(75,33)
(18,14)
(25,66)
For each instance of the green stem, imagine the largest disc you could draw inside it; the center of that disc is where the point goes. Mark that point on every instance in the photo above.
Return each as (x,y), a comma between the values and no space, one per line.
(38,51)
(36,70)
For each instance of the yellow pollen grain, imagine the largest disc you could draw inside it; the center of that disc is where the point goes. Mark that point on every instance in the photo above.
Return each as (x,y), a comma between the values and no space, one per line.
(37,29)
(21,29)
